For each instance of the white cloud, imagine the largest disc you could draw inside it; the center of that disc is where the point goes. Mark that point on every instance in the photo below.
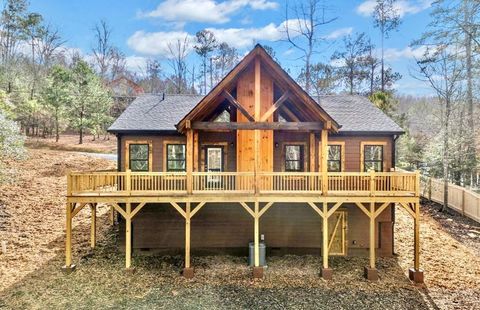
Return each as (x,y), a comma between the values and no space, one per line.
(204,11)
(136,63)
(156,43)
(393,54)
(244,37)
(338,33)
(403,7)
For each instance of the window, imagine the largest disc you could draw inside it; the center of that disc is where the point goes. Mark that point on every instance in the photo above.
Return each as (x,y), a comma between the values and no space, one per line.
(373,158)
(175,157)
(223,117)
(139,157)
(293,157)
(334,161)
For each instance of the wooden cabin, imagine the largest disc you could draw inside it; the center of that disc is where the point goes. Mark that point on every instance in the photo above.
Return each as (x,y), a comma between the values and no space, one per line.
(257,157)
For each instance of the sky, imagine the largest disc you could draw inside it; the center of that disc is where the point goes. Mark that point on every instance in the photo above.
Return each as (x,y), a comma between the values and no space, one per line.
(142,29)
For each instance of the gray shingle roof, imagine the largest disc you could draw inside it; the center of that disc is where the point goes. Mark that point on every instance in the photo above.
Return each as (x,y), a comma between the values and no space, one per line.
(153,113)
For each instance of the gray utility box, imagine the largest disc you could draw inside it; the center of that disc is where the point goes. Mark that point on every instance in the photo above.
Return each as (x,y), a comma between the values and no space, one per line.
(251,253)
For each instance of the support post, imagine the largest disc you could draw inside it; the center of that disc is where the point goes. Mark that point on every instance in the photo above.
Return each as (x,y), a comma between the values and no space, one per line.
(326,271)
(416,274)
(112,215)
(93,225)
(257,269)
(371,272)
(324,162)
(128,236)
(69,267)
(187,271)
(189,158)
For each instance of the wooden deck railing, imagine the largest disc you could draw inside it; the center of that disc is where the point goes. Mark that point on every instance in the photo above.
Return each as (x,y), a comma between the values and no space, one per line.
(167,183)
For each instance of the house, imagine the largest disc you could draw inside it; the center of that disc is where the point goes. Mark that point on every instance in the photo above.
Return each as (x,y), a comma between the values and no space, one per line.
(256,157)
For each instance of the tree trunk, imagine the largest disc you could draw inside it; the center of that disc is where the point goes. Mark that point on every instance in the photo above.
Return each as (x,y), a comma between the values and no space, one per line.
(446,155)
(57,132)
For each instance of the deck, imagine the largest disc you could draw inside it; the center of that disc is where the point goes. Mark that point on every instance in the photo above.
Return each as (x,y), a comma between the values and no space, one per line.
(201,184)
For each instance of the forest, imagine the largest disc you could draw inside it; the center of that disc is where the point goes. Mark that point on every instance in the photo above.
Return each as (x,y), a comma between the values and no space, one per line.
(47,87)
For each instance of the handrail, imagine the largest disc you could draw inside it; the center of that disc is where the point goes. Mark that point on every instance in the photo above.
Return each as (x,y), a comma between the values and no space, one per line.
(164,183)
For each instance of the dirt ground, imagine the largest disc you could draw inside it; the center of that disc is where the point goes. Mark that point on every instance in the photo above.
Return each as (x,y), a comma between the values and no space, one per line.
(70,143)
(32,222)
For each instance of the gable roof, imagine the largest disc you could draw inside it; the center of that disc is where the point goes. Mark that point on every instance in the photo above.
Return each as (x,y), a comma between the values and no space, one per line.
(280,75)
(158,113)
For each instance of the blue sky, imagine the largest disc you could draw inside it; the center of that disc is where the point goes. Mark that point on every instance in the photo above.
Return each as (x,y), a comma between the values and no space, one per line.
(143,28)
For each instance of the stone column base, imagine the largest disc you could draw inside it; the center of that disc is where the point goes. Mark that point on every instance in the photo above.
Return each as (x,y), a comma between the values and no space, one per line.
(188,272)
(257,272)
(415,275)
(69,269)
(327,273)
(370,274)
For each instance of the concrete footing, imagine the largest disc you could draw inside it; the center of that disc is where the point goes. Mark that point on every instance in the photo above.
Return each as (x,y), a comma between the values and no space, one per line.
(69,269)
(327,273)
(415,275)
(130,270)
(370,274)
(257,272)
(188,272)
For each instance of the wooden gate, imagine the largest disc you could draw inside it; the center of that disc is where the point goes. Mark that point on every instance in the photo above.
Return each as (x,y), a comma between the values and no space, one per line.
(337,233)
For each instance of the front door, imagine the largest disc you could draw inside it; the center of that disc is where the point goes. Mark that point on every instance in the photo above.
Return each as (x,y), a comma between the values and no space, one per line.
(214,163)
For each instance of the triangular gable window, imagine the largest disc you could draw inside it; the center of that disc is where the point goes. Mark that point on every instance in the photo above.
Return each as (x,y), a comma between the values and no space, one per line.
(223,117)
(281,119)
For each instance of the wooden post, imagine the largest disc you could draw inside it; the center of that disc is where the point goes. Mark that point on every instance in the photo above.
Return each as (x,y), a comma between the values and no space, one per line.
(417,183)
(312,152)
(430,188)
(112,215)
(128,236)
(257,116)
(372,182)
(93,226)
(68,239)
(256,236)
(196,155)
(128,181)
(187,235)
(189,159)
(416,258)
(325,236)
(324,162)
(372,235)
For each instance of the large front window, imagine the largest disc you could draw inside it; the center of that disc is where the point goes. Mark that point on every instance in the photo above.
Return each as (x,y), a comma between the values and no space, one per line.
(334,158)
(294,158)
(175,157)
(373,158)
(139,157)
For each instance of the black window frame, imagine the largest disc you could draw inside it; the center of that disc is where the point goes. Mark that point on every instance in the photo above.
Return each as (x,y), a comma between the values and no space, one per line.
(130,159)
(301,160)
(373,161)
(334,160)
(167,159)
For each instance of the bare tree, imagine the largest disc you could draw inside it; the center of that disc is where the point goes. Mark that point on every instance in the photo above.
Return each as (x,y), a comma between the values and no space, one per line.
(225,59)
(387,19)
(205,45)
(103,49)
(353,57)
(442,70)
(49,43)
(177,59)
(302,31)
(33,29)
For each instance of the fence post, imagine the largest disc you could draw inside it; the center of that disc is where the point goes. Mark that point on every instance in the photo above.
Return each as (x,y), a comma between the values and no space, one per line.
(463,201)
(69,184)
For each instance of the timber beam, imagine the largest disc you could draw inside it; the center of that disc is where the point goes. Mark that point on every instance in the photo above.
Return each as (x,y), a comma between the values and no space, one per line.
(237,105)
(229,126)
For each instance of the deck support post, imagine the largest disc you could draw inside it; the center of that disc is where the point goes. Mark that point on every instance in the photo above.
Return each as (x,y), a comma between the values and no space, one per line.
(371,272)
(257,269)
(189,163)
(187,271)
(326,271)
(416,274)
(128,236)
(69,267)
(93,225)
